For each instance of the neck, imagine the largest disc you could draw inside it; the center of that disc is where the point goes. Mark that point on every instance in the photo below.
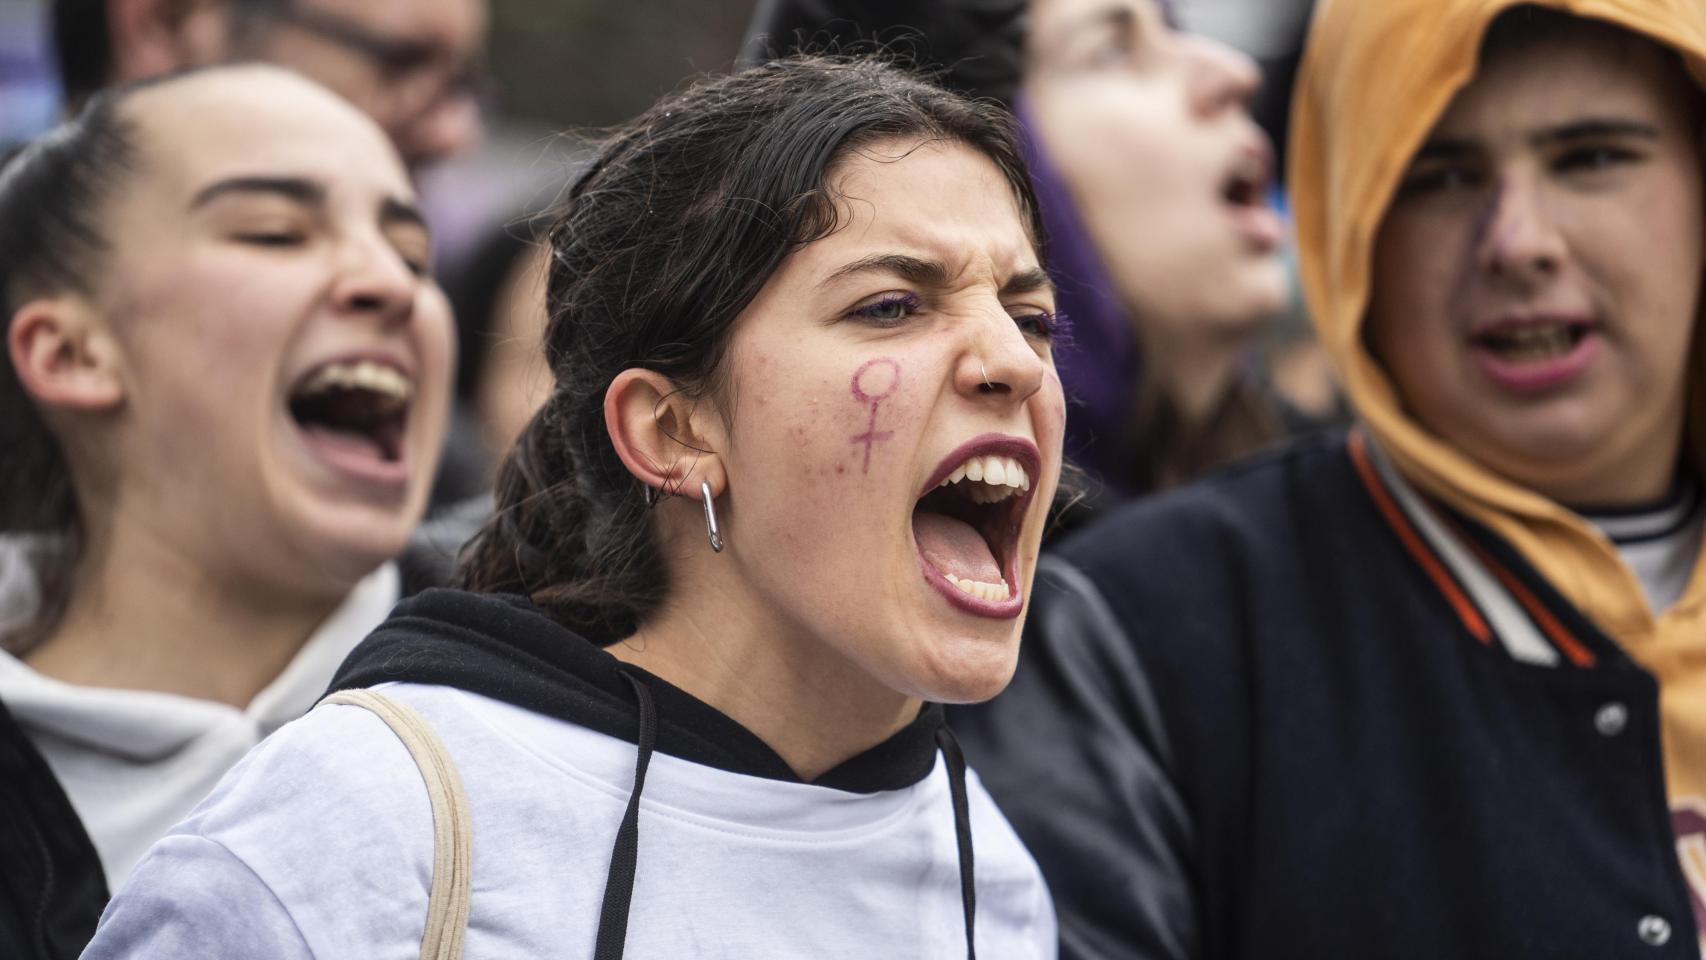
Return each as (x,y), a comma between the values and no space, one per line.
(1639,470)
(812,706)
(1196,371)
(144,615)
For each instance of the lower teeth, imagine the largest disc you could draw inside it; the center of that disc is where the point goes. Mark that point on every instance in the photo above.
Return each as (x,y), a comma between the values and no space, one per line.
(980,590)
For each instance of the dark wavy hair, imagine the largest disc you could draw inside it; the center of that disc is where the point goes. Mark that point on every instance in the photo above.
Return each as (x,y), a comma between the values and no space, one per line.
(655,250)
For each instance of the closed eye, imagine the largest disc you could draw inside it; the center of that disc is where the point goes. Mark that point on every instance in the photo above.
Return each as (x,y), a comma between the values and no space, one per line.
(270,238)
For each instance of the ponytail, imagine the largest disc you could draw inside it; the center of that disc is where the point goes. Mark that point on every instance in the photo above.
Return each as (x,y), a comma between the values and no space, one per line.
(51,192)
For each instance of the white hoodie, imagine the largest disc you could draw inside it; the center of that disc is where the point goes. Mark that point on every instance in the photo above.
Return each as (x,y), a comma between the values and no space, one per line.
(135,762)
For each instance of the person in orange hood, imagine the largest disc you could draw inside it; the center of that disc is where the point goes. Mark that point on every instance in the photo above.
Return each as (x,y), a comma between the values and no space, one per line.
(1438,687)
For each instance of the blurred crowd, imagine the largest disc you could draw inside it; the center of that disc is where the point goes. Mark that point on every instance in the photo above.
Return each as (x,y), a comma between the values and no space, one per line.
(303,322)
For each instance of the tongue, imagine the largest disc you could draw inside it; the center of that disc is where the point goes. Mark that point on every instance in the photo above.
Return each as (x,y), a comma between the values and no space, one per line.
(953,546)
(343,446)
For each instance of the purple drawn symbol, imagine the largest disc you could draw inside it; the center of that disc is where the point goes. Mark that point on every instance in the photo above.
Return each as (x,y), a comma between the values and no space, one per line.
(863,393)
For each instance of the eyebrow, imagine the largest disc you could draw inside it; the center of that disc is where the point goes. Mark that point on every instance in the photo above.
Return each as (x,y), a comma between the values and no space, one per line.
(1112,15)
(934,273)
(1116,17)
(294,189)
(1594,128)
(915,269)
(1590,128)
(1027,281)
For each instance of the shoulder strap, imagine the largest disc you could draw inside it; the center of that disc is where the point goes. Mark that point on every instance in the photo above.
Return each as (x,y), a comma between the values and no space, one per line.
(452,828)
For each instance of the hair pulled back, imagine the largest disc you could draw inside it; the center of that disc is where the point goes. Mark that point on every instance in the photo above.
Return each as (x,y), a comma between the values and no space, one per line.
(51,194)
(655,251)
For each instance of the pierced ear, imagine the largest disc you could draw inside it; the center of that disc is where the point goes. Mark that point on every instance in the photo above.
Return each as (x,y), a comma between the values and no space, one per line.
(660,435)
(64,357)
(152,37)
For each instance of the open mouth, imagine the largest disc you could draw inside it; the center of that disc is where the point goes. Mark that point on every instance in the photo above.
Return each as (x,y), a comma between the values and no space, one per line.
(1534,342)
(1244,192)
(967,526)
(1246,184)
(355,413)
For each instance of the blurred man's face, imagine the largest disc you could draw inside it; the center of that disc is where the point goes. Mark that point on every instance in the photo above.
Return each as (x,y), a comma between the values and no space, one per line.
(1537,278)
(412,65)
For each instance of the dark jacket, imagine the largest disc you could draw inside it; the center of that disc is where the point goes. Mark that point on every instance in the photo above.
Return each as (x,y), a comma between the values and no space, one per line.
(51,885)
(1252,720)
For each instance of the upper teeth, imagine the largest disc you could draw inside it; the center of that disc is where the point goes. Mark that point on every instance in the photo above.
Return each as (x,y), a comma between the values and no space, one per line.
(995,478)
(1538,342)
(1537,335)
(360,375)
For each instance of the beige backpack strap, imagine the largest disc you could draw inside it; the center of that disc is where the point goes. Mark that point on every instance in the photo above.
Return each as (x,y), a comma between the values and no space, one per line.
(452,829)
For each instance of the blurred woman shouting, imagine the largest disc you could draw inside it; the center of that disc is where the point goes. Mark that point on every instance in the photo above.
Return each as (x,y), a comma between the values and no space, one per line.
(224,395)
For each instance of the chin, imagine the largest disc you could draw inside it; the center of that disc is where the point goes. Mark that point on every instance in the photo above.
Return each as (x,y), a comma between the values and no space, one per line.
(1263,294)
(971,671)
(346,545)
(1241,302)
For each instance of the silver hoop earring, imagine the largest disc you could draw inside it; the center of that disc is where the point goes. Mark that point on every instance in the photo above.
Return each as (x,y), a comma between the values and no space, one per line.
(652,494)
(710,517)
(987,386)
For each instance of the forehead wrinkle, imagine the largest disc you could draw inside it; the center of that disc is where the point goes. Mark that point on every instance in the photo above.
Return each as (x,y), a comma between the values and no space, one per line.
(950,235)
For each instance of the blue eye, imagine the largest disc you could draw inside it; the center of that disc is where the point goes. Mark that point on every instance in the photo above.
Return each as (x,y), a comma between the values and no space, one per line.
(890,310)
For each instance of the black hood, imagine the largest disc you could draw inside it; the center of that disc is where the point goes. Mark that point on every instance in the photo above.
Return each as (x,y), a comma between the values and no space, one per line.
(504,647)
(978,44)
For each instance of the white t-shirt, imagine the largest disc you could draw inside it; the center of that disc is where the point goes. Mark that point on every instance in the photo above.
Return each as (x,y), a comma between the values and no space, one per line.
(135,762)
(1659,544)
(319,844)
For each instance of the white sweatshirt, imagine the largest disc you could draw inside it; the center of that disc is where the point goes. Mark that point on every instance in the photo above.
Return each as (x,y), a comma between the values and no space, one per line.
(135,762)
(319,844)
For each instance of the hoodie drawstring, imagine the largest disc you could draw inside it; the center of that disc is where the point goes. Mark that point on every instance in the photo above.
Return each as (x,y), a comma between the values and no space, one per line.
(619,885)
(962,830)
(624,857)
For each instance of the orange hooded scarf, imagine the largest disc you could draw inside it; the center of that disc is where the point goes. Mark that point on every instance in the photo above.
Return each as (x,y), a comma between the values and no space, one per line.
(1377,76)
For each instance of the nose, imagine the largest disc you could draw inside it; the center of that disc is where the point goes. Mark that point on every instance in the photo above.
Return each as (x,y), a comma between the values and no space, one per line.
(1220,77)
(1519,243)
(999,362)
(374,281)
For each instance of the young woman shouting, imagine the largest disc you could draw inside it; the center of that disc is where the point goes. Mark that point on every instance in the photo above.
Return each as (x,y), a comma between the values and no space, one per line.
(785,497)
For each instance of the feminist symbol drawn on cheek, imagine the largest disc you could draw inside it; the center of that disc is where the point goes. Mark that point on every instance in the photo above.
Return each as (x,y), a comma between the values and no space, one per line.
(863,393)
